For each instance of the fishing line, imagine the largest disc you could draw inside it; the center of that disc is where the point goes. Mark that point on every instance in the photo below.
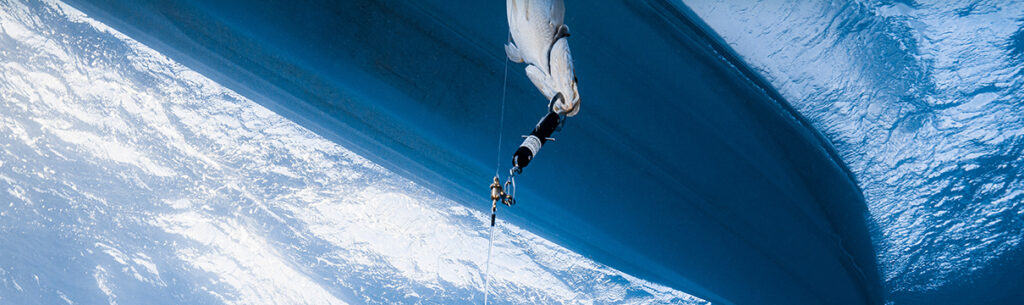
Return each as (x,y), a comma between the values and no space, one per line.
(501,120)
(497,167)
(487,269)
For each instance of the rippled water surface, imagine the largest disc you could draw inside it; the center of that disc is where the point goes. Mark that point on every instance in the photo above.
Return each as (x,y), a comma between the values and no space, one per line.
(923,100)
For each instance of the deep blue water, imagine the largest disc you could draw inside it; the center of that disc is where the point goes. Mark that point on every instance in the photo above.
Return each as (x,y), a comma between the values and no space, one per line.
(763,152)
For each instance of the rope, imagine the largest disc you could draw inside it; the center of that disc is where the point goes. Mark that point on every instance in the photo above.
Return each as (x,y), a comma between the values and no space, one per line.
(497,167)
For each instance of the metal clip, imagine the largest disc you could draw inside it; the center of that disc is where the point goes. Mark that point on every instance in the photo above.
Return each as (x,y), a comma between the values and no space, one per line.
(497,192)
(510,200)
(510,184)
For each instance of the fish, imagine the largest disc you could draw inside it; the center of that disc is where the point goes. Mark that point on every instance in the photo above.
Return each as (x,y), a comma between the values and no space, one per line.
(539,38)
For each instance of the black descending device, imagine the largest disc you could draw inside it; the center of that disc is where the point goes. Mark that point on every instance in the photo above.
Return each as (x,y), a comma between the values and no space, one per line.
(533,142)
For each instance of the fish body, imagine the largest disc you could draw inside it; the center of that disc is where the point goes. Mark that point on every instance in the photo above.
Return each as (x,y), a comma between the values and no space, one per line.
(539,39)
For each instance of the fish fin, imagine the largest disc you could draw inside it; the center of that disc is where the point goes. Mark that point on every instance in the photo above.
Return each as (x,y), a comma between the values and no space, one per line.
(513,53)
(541,80)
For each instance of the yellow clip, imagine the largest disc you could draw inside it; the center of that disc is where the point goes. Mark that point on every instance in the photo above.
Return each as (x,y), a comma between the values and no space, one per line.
(497,193)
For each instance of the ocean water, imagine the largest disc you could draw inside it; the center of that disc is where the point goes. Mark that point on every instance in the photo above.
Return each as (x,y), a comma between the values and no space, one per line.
(747,203)
(923,100)
(127,178)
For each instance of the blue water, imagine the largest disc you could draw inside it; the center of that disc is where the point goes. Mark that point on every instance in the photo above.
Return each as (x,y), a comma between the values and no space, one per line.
(715,186)
(923,101)
(128,178)
(332,153)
